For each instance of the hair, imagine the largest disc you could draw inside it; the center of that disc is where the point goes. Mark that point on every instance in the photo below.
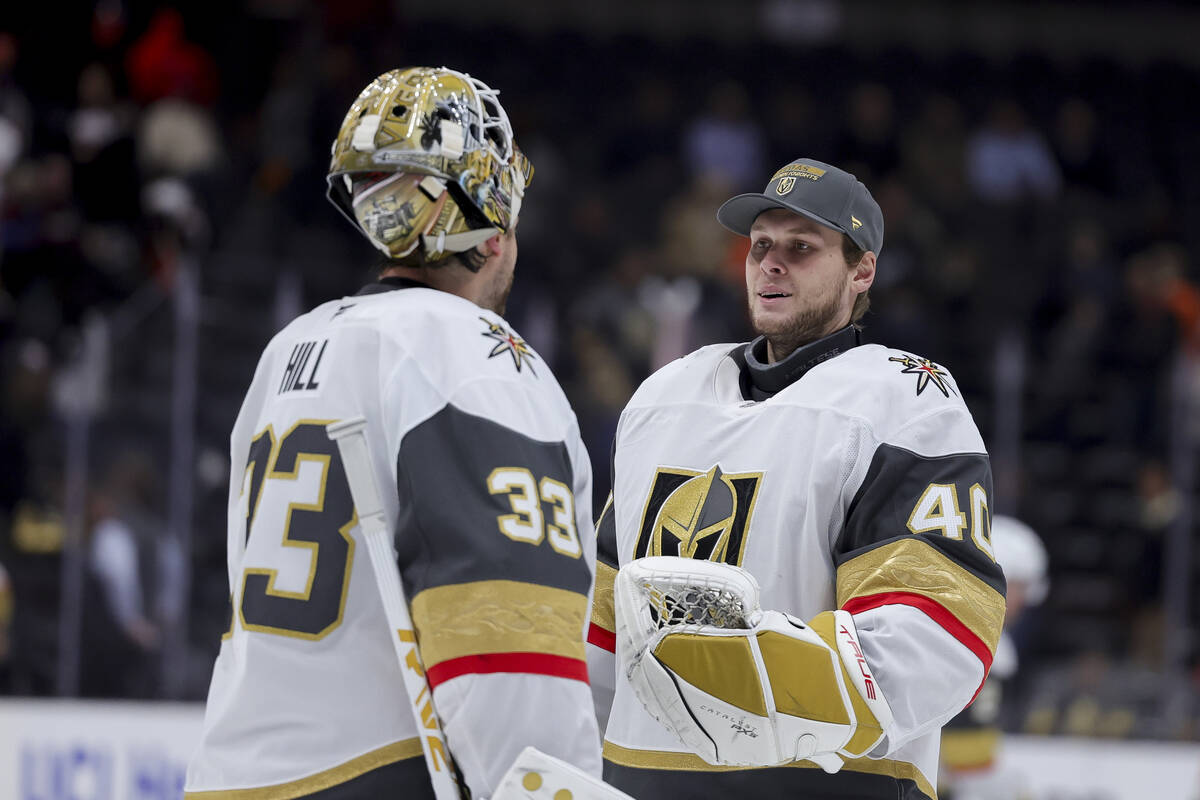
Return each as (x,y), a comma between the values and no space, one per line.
(470,259)
(854,254)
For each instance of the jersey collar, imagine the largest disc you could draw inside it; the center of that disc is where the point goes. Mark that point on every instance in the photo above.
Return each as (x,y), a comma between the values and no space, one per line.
(388,284)
(760,380)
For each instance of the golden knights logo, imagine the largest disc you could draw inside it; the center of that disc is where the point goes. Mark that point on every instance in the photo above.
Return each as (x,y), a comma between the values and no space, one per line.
(509,342)
(701,515)
(927,372)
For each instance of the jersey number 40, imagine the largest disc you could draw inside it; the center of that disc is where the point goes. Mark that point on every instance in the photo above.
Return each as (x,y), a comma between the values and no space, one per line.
(938,511)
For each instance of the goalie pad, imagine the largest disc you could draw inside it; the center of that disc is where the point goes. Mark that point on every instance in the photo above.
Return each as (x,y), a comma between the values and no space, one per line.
(537,776)
(738,685)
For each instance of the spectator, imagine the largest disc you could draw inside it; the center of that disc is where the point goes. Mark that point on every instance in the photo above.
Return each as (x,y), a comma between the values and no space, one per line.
(933,151)
(177,138)
(867,143)
(6,616)
(726,144)
(1077,146)
(31,524)
(1159,505)
(102,150)
(133,568)
(795,126)
(15,109)
(163,63)
(1008,161)
(1141,339)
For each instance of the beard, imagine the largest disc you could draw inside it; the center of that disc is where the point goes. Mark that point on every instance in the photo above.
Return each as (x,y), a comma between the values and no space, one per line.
(496,296)
(807,325)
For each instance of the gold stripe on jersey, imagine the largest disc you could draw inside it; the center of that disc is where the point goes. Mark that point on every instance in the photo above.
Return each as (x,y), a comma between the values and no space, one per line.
(667,760)
(388,754)
(914,566)
(603,609)
(964,749)
(482,617)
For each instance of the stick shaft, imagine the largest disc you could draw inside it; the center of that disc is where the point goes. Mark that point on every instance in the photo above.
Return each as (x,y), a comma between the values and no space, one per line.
(351,440)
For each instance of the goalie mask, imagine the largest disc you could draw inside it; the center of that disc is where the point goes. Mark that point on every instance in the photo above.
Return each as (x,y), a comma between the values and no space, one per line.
(425,158)
(1021,555)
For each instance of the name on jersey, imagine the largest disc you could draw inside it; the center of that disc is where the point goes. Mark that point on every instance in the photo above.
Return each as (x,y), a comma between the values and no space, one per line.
(299,376)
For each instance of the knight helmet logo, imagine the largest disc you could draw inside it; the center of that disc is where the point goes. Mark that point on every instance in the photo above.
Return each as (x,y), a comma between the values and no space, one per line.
(785,185)
(694,514)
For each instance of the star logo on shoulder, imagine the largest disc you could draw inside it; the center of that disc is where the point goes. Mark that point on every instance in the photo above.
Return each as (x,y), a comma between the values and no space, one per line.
(508,342)
(926,371)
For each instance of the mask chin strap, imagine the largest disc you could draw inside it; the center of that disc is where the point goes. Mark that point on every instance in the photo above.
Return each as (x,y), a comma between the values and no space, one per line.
(436,246)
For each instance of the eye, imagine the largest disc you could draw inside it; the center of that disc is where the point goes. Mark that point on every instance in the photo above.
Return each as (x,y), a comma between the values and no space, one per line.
(800,246)
(761,245)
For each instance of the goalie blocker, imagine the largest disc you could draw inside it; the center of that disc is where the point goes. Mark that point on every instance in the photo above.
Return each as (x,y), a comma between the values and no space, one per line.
(739,685)
(537,776)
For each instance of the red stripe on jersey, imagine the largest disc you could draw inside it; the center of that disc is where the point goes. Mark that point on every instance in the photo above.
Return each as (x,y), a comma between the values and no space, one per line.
(605,640)
(529,663)
(935,611)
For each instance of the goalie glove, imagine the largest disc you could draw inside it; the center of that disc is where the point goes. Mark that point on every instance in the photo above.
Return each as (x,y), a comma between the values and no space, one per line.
(738,685)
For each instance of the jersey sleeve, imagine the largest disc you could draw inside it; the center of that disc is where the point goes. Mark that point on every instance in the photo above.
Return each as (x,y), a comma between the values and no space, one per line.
(497,562)
(916,568)
(971,740)
(603,627)
(602,637)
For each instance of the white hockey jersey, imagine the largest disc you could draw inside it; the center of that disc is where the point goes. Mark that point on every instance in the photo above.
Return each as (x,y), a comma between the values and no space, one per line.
(861,483)
(487,486)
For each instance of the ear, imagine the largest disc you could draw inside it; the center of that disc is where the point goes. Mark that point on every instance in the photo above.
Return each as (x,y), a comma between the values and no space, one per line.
(864,273)
(490,247)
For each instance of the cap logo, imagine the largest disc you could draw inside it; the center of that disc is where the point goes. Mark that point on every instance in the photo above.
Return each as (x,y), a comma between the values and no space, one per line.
(785,185)
(800,171)
(855,222)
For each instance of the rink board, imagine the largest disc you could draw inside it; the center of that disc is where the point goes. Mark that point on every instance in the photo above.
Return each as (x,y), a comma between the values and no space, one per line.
(61,750)
(64,750)
(1060,768)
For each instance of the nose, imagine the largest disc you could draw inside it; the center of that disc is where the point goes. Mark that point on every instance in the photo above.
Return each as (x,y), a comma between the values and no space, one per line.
(772,265)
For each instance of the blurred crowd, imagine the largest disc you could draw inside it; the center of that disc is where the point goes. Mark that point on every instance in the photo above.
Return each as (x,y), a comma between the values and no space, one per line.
(1040,219)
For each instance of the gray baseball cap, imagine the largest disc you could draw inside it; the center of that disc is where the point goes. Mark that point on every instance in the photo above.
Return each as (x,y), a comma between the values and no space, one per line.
(819,191)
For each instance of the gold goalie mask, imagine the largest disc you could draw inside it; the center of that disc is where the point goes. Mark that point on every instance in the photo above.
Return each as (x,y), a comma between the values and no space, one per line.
(425,158)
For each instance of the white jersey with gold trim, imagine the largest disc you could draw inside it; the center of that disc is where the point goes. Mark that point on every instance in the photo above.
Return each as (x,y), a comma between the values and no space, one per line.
(863,485)
(487,485)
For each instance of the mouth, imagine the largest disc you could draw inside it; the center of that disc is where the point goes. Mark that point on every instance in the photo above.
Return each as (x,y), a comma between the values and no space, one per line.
(772,294)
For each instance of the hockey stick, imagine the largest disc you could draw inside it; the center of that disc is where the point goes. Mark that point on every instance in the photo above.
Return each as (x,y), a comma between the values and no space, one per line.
(356,458)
